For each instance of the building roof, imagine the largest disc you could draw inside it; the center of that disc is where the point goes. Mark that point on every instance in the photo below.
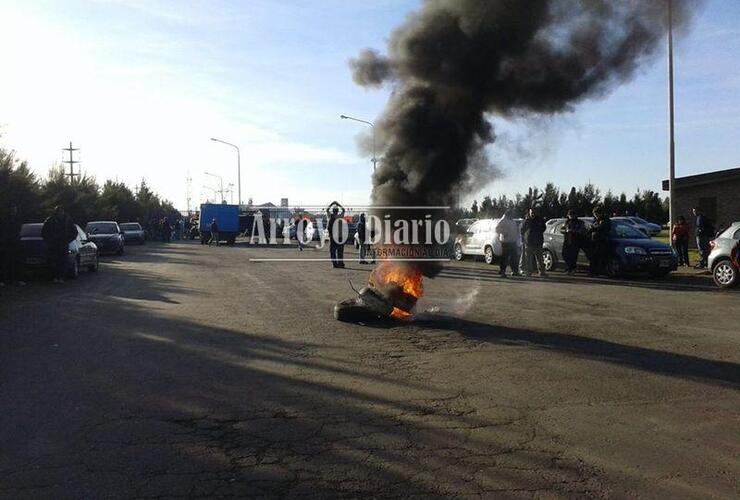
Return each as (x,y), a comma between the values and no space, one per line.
(708,178)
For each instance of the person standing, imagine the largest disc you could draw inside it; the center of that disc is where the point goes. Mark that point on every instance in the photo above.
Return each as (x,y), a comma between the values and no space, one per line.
(362,234)
(58,231)
(680,240)
(10,243)
(166,230)
(574,231)
(214,233)
(704,234)
(335,211)
(600,233)
(508,236)
(533,234)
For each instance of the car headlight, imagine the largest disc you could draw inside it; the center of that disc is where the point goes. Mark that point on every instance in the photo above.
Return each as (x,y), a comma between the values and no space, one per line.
(634,251)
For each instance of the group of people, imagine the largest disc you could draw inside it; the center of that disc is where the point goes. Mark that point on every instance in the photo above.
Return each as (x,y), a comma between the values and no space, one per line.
(593,241)
(680,234)
(165,231)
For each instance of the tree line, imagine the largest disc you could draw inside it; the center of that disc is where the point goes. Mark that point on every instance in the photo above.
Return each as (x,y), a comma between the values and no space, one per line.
(84,199)
(553,202)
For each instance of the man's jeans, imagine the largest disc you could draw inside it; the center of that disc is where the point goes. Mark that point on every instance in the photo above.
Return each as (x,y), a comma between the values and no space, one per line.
(534,257)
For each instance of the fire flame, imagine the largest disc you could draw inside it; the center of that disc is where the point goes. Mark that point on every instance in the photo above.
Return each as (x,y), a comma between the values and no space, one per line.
(395,280)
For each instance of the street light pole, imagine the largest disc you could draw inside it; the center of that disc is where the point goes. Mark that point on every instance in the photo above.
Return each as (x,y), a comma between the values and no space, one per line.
(221,182)
(672,144)
(238,167)
(374,159)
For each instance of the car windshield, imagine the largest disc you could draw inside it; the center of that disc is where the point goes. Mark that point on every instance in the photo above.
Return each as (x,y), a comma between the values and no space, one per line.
(625,232)
(131,226)
(639,220)
(31,230)
(102,228)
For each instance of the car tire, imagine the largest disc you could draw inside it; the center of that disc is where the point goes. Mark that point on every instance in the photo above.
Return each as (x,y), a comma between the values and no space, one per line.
(659,274)
(488,255)
(459,252)
(74,272)
(725,275)
(93,268)
(613,268)
(549,260)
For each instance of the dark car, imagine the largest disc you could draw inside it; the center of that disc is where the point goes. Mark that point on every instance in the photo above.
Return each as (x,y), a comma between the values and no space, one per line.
(132,233)
(83,253)
(631,251)
(107,235)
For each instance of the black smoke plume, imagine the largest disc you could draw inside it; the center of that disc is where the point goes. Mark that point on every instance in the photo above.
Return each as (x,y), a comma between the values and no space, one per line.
(456,64)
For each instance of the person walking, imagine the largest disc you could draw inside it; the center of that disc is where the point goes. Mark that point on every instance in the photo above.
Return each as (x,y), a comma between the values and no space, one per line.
(166,230)
(335,211)
(704,234)
(508,236)
(58,231)
(214,233)
(680,240)
(574,232)
(362,234)
(10,247)
(533,231)
(600,234)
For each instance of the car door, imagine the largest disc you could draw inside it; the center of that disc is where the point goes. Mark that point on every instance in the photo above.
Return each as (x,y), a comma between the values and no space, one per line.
(85,248)
(469,240)
(481,236)
(554,240)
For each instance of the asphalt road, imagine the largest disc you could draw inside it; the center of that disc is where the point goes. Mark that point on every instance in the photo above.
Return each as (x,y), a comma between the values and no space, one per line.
(184,370)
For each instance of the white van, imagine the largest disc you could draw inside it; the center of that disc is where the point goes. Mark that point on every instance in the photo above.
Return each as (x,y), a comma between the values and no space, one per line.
(481,238)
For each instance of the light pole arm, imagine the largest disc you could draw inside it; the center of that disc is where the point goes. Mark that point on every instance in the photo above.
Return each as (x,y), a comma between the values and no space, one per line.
(238,165)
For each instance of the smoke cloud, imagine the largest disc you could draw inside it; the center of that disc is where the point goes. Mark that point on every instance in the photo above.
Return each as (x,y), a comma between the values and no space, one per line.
(456,64)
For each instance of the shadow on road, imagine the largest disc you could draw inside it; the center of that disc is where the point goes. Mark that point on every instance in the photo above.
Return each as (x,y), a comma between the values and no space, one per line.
(112,396)
(650,360)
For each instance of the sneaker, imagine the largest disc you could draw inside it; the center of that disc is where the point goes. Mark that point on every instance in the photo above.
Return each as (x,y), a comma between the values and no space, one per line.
(21,283)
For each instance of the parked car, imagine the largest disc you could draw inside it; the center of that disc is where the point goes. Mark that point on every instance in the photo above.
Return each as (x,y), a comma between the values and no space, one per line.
(631,250)
(107,235)
(722,262)
(481,238)
(648,228)
(132,233)
(83,253)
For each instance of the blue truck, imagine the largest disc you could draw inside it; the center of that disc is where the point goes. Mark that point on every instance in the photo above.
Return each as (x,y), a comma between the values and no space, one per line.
(227,219)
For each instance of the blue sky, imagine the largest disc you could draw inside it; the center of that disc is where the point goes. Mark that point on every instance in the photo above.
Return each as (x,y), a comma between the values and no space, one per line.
(142,85)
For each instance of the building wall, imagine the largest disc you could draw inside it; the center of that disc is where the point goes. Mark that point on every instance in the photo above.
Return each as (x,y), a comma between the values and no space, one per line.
(726,209)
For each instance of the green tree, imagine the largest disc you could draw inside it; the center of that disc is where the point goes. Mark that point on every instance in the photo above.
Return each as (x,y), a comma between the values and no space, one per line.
(79,198)
(20,186)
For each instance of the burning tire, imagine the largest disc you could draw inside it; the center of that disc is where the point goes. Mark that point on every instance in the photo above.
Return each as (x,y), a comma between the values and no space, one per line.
(353,311)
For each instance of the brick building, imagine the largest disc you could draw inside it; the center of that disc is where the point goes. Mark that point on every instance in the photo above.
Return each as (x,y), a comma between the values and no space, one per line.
(716,193)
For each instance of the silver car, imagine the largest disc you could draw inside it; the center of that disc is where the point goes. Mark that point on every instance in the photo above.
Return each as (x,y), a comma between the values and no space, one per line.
(724,272)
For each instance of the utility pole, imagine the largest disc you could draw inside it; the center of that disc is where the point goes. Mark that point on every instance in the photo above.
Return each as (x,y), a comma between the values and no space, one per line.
(71,162)
(672,144)
(189,192)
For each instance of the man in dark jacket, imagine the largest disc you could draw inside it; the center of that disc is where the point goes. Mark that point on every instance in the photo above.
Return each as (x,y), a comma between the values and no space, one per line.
(574,232)
(58,231)
(362,237)
(533,230)
(704,234)
(335,211)
(600,234)
(10,242)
